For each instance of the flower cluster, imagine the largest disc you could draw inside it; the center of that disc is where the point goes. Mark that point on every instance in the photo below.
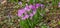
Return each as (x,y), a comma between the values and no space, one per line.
(23,13)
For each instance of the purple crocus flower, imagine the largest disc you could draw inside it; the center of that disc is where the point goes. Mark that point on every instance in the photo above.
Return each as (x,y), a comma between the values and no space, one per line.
(20,12)
(27,8)
(30,6)
(31,14)
(39,5)
(33,7)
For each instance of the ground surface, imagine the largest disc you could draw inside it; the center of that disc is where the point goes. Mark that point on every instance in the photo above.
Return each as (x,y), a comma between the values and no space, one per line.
(8,16)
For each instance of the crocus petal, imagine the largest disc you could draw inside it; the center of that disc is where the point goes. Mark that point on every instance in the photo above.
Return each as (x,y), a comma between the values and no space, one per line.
(30,6)
(33,7)
(25,17)
(31,14)
(20,12)
(27,8)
